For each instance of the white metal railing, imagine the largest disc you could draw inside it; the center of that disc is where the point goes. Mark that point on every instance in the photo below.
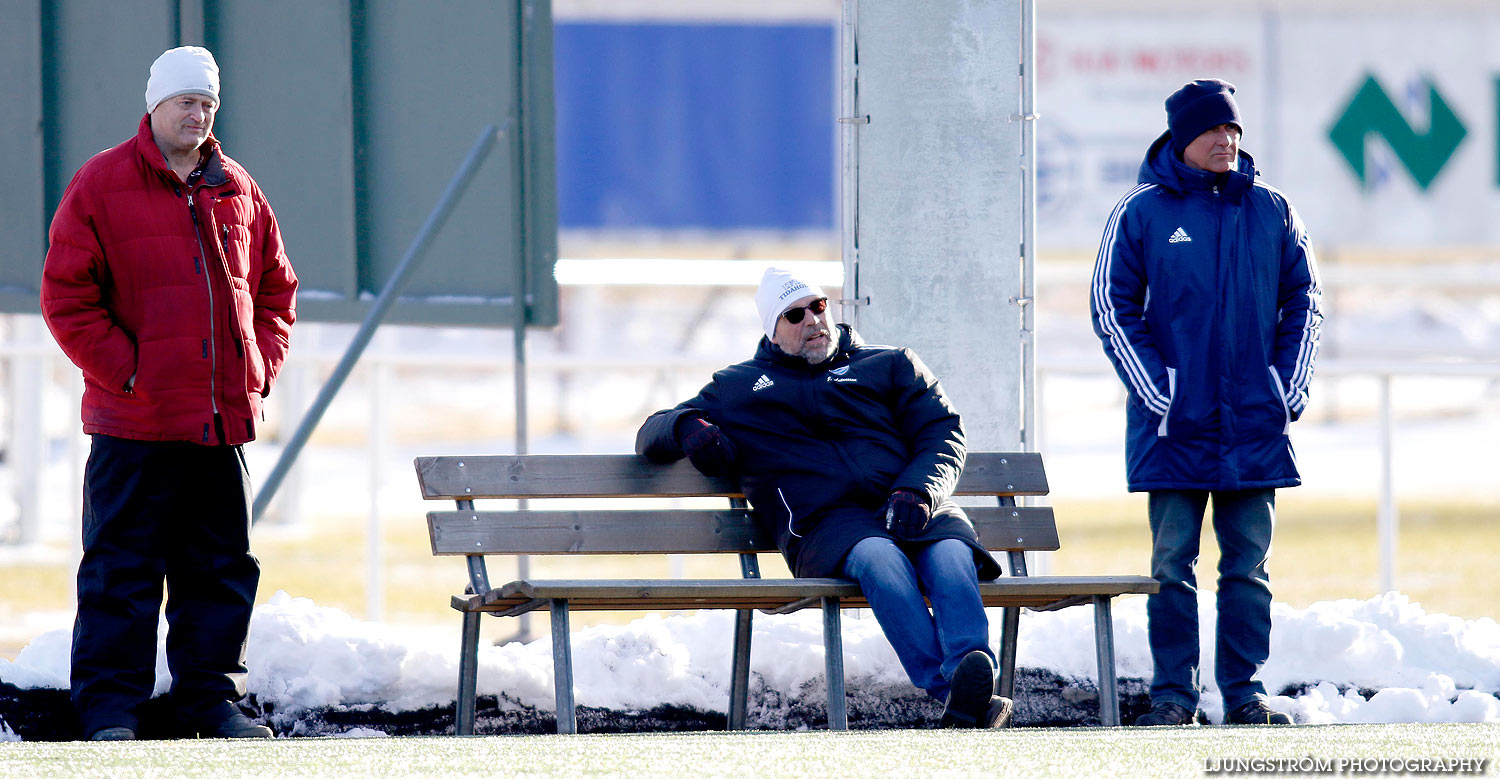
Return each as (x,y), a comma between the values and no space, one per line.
(29,355)
(1384,372)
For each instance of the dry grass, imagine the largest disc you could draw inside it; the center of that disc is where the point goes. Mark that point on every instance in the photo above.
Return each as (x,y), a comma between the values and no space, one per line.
(1324,549)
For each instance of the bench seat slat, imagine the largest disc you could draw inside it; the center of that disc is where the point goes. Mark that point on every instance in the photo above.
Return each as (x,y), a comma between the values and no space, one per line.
(1037,592)
(481,477)
(679,531)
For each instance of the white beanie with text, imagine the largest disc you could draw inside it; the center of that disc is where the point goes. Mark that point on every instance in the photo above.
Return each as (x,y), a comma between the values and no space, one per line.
(179,71)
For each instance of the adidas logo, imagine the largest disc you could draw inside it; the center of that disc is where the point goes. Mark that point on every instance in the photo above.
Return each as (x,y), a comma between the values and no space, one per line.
(761,383)
(1180,236)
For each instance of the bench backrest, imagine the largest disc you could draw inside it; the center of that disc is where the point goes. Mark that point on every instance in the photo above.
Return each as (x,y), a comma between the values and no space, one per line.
(468,531)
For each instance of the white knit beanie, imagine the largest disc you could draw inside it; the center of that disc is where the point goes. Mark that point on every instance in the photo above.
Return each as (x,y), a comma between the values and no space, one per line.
(180,71)
(778,290)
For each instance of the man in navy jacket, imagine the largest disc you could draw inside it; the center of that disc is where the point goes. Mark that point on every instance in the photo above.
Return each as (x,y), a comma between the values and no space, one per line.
(848,454)
(1206,296)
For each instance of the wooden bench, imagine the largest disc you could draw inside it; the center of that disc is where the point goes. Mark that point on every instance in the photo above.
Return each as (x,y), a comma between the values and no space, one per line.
(1006,527)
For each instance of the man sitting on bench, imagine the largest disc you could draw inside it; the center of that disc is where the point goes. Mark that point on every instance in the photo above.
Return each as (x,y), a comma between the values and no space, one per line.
(848,454)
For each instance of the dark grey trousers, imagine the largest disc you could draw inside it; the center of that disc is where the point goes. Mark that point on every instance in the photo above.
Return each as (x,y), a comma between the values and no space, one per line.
(153,513)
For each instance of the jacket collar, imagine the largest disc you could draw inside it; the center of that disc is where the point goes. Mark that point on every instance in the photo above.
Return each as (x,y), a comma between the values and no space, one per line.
(1162,167)
(848,342)
(145,146)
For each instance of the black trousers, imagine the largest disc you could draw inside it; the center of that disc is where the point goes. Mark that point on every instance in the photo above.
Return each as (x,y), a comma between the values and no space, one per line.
(154,512)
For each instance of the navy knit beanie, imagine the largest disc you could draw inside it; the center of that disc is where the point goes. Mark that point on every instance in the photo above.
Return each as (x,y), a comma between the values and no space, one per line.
(1198,106)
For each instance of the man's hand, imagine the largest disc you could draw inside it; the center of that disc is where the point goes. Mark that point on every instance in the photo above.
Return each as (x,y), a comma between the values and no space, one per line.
(906,514)
(706,446)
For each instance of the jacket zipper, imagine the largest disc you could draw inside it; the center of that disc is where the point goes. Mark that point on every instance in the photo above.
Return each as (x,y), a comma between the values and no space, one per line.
(239,346)
(210,347)
(789,517)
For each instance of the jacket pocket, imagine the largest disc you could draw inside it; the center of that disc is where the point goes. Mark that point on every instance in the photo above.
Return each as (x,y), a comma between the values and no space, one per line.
(235,240)
(1161,429)
(1281,396)
(255,368)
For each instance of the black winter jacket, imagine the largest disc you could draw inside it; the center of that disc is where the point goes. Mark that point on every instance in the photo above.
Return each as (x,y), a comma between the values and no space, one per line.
(820,448)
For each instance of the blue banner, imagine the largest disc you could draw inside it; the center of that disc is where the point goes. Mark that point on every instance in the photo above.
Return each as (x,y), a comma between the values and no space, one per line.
(695,126)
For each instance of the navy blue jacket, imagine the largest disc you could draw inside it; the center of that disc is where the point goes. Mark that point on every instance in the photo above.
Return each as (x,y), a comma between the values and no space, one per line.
(1206,296)
(820,448)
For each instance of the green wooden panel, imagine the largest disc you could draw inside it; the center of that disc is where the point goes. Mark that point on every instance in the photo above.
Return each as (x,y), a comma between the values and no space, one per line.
(22,217)
(96,69)
(353,115)
(429,76)
(287,116)
(75,85)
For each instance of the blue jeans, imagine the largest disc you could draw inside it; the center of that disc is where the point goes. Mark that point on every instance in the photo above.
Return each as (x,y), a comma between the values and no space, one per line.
(1243,521)
(929,644)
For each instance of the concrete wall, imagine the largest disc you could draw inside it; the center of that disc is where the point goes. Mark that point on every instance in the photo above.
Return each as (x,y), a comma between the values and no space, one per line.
(939,189)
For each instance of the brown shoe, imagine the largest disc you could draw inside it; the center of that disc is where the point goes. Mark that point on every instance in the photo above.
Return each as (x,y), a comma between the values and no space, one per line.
(998,715)
(1256,712)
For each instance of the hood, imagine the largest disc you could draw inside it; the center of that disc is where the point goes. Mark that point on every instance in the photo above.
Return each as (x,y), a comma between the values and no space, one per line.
(1161,167)
(848,341)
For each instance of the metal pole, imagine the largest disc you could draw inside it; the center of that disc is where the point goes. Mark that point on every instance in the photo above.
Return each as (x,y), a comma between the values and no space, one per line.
(383,303)
(518,345)
(1027,299)
(374,586)
(27,440)
(528,23)
(1387,519)
(849,123)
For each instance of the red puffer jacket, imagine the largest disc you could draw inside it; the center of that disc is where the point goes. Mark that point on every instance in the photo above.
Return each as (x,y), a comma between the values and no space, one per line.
(187,289)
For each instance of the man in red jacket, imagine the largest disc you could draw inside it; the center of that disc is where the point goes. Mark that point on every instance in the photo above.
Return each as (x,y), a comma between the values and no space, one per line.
(166,282)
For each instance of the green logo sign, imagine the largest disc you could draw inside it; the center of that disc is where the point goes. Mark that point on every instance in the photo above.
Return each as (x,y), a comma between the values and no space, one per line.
(1371,111)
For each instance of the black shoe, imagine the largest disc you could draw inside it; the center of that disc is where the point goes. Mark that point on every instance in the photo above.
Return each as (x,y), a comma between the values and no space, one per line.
(998,714)
(1256,712)
(113,734)
(237,725)
(970,691)
(1166,713)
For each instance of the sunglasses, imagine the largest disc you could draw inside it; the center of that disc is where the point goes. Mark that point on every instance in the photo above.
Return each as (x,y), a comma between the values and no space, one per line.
(794,315)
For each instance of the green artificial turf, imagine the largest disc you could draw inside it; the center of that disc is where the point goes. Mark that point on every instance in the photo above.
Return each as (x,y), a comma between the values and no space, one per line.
(1079,752)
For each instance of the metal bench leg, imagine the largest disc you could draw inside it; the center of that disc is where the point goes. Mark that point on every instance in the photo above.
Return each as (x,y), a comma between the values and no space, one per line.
(468,675)
(833,663)
(1010,629)
(1104,645)
(739,673)
(562,668)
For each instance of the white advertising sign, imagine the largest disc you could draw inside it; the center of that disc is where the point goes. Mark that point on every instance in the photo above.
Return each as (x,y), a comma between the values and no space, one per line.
(1378,123)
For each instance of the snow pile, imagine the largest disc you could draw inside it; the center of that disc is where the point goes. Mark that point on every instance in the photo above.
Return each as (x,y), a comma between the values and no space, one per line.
(1414,666)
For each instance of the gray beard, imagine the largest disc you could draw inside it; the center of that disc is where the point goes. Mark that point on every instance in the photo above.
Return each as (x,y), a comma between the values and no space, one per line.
(825,356)
(815,359)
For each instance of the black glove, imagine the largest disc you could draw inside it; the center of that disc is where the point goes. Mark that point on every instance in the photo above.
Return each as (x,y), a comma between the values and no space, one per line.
(906,514)
(706,446)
